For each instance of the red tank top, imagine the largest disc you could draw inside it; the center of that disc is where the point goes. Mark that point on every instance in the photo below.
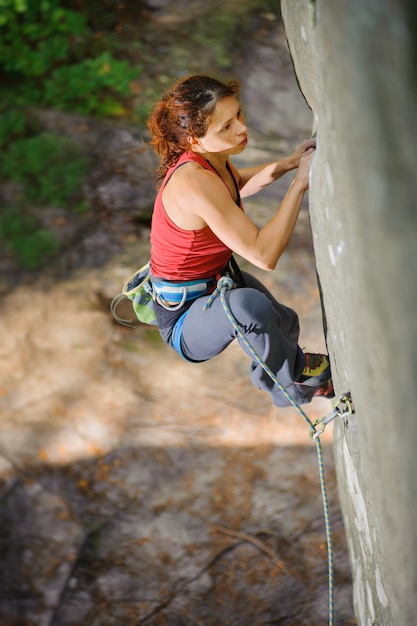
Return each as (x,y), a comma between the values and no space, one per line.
(178,254)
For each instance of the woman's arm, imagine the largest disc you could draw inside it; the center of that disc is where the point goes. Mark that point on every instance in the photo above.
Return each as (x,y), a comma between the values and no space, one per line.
(253,179)
(211,201)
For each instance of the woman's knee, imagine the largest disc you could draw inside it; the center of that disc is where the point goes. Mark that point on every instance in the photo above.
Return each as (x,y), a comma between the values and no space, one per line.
(250,306)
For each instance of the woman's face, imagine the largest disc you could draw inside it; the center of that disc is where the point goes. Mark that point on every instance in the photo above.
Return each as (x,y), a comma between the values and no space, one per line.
(227,132)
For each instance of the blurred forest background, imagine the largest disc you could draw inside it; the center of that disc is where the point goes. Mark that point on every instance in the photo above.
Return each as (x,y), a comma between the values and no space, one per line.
(101,63)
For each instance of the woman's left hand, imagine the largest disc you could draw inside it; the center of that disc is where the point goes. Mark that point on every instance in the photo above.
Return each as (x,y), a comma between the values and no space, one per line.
(301,151)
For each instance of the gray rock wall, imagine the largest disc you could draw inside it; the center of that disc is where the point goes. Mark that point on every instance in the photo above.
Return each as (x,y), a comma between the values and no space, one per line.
(356,64)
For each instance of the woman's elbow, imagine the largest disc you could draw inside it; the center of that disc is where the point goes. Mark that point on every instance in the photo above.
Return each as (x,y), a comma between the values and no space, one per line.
(266,264)
(270,266)
(264,259)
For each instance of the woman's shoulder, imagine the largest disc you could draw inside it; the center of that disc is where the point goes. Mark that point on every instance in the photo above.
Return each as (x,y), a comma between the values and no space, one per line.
(193,157)
(189,166)
(192,177)
(192,180)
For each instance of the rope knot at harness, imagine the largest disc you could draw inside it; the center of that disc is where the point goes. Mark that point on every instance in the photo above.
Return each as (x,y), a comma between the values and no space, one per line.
(223,284)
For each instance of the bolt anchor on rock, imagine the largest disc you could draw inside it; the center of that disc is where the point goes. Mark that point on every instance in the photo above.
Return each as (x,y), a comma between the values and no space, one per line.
(343,408)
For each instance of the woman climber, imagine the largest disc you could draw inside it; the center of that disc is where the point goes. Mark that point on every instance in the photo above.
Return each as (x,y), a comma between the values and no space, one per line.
(199,221)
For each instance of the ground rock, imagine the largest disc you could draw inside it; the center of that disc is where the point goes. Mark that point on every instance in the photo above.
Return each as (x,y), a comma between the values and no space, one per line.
(40,540)
(123,174)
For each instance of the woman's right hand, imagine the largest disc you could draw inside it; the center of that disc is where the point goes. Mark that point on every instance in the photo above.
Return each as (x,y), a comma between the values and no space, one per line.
(303,173)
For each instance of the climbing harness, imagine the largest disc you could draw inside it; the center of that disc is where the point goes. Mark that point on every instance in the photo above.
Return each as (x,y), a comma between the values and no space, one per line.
(143,290)
(343,408)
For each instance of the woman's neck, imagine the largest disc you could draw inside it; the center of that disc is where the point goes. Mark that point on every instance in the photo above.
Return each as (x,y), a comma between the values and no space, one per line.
(218,161)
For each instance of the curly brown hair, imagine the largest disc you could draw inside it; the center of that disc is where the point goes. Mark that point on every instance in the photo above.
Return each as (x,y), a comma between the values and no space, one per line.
(182,112)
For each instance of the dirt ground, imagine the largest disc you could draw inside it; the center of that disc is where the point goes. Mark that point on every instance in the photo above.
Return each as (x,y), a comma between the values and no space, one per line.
(141,489)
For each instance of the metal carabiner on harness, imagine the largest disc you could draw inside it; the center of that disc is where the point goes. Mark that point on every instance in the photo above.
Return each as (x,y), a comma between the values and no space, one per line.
(343,408)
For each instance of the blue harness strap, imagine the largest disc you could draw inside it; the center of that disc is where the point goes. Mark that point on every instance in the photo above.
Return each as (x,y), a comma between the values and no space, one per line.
(176,335)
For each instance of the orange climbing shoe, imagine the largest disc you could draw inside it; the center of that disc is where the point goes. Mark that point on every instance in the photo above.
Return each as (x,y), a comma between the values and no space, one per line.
(315,365)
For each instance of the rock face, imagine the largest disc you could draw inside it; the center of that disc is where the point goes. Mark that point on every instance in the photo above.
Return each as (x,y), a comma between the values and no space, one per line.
(356,66)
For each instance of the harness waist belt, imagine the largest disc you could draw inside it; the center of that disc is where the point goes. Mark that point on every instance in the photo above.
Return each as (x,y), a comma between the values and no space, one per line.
(173,295)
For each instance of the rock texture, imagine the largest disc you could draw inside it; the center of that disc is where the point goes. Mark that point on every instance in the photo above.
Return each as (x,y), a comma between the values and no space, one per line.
(356,66)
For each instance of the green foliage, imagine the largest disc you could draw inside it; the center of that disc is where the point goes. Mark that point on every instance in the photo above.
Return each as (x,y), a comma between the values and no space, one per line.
(87,86)
(22,235)
(12,124)
(45,59)
(51,168)
(37,35)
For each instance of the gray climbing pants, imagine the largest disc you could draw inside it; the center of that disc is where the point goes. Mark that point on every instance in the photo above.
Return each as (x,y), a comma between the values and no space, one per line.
(271,328)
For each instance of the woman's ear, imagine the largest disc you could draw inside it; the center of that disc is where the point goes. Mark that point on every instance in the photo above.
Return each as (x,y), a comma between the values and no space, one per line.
(193,141)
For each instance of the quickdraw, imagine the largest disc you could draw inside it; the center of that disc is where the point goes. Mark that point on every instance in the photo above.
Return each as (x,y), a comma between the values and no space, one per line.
(343,408)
